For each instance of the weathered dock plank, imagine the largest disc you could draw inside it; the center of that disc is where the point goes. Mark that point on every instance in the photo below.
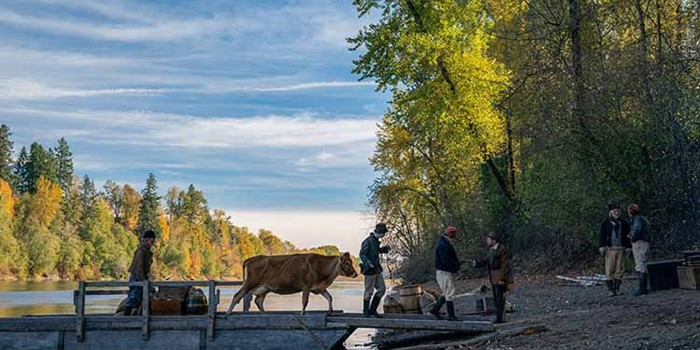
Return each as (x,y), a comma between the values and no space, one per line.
(408,323)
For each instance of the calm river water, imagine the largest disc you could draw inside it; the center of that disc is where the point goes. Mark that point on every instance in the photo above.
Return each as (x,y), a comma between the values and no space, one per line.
(41,298)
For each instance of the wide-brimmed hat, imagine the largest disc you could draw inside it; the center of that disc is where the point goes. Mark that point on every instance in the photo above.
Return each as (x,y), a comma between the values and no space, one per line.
(380,228)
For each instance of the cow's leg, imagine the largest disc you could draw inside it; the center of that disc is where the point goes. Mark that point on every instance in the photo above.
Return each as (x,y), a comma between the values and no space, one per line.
(237,298)
(304,300)
(260,300)
(329,298)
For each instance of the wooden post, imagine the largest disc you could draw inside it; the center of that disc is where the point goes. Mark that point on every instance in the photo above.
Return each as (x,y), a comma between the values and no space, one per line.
(211,324)
(80,326)
(146,309)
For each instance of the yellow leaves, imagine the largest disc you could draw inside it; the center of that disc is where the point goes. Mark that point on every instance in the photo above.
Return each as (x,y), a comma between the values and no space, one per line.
(164,227)
(7,201)
(46,201)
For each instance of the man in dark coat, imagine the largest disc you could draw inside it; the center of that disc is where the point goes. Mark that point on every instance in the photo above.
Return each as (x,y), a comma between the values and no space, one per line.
(641,237)
(371,268)
(500,272)
(140,270)
(446,267)
(613,240)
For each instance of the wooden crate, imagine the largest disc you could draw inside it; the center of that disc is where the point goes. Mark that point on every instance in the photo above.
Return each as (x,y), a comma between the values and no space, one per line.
(689,277)
(393,309)
(662,274)
(167,307)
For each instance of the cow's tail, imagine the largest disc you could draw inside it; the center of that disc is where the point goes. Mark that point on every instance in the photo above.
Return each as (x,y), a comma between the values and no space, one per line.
(245,268)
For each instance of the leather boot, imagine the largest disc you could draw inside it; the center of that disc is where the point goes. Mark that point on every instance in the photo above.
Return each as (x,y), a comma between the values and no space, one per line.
(611,288)
(435,311)
(374,305)
(451,311)
(642,284)
(616,286)
(365,308)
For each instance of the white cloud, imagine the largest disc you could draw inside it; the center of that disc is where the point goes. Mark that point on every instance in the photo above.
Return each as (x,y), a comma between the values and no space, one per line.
(167,30)
(306,86)
(22,89)
(307,229)
(174,130)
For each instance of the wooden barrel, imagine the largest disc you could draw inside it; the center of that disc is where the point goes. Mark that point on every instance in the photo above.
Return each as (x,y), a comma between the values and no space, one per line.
(196,303)
(410,298)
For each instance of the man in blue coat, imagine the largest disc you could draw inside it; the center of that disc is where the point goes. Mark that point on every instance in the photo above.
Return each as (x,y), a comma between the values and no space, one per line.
(446,268)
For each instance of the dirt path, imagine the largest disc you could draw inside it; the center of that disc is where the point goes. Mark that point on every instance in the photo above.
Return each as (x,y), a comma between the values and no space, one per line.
(586,318)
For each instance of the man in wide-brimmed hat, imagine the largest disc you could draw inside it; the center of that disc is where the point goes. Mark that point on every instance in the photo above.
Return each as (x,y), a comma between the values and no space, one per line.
(500,272)
(371,268)
(613,240)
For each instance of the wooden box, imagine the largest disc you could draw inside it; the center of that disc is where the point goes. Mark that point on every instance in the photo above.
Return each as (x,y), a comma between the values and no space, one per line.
(393,309)
(167,307)
(485,305)
(662,274)
(689,277)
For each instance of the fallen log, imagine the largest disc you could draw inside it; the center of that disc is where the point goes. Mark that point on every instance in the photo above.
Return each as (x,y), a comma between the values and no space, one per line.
(503,332)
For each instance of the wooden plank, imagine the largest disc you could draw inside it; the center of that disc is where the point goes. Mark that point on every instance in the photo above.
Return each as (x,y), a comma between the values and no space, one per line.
(275,339)
(131,340)
(397,323)
(462,317)
(308,312)
(161,283)
(145,309)
(37,340)
(211,313)
(80,319)
(103,292)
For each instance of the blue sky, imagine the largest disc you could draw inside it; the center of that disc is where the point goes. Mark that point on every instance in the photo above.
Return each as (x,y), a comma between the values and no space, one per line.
(252,101)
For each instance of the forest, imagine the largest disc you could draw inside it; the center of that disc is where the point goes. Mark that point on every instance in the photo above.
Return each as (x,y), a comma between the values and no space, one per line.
(528,118)
(56,225)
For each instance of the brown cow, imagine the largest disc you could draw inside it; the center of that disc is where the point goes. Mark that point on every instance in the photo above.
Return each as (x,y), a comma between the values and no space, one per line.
(289,274)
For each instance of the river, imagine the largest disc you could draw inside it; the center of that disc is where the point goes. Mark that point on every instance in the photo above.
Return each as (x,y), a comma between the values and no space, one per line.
(48,297)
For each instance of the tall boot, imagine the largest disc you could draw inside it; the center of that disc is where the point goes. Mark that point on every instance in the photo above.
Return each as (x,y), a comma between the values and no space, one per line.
(611,288)
(642,284)
(451,311)
(374,305)
(616,286)
(500,302)
(435,311)
(365,307)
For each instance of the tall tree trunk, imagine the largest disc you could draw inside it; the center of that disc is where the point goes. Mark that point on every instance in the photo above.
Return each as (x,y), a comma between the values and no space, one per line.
(644,55)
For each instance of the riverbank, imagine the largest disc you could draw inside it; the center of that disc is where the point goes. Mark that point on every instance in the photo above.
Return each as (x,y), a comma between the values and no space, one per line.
(578,317)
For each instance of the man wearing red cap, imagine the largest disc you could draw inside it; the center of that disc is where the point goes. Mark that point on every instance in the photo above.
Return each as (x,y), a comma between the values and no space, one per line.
(640,237)
(446,267)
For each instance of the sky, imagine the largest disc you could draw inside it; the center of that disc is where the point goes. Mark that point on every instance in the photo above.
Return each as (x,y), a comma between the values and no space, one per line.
(253,102)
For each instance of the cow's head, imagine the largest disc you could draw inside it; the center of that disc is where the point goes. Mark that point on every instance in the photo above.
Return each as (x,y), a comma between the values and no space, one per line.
(346,268)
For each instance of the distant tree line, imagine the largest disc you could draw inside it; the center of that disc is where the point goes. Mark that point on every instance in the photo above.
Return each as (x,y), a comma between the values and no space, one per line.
(528,117)
(54,224)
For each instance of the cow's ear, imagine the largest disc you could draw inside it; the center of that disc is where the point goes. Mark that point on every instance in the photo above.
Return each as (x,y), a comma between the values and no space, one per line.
(346,254)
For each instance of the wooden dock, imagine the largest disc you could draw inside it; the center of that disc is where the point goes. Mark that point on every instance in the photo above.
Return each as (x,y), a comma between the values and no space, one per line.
(241,330)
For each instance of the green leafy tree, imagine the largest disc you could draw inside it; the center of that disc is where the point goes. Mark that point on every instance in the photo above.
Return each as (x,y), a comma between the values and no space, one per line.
(64,165)
(6,153)
(9,247)
(20,171)
(114,194)
(149,209)
(41,163)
